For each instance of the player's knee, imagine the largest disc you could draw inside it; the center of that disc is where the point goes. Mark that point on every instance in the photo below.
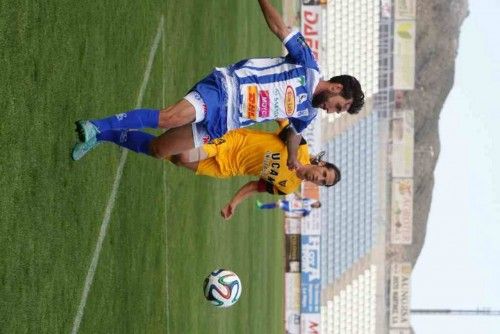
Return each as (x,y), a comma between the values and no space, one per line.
(176,160)
(157,151)
(177,115)
(180,159)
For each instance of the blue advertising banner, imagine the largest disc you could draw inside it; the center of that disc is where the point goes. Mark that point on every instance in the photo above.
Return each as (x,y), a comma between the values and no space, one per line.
(310,276)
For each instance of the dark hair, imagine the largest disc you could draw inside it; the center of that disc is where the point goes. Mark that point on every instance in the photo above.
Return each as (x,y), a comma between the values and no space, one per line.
(351,89)
(338,176)
(328,165)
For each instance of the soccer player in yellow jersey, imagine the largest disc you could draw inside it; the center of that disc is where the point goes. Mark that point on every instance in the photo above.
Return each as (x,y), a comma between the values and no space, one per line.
(257,153)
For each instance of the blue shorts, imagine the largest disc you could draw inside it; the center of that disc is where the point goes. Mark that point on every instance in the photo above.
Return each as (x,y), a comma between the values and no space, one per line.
(211,90)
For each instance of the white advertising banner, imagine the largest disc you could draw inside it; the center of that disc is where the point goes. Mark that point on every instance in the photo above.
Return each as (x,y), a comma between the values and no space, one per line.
(399,312)
(402,211)
(311,28)
(292,303)
(292,322)
(311,224)
(310,323)
(402,143)
(404,54)
(405,9)
(400,331)
(292,225)
(386,8)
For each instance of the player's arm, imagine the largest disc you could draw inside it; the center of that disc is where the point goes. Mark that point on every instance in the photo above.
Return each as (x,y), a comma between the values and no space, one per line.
(274,20)
(243,193)
(293,139)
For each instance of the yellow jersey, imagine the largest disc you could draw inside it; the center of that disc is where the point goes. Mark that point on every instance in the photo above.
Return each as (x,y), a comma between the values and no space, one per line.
(252,152)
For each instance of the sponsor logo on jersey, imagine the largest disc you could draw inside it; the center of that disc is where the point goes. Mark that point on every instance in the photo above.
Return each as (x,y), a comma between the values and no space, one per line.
(217,141)
(270,166)
(264,103)
(276,102)
(121,116)
(302,80)
(301,113)
(289,101)
(251,112)
(205,139)
(302,98)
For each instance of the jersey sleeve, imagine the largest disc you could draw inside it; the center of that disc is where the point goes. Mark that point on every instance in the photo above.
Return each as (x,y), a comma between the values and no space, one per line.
(299,124)
(298,50)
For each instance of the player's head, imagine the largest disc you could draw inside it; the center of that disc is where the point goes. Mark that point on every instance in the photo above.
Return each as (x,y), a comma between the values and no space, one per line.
(344,94)
(321,173)
(316,205)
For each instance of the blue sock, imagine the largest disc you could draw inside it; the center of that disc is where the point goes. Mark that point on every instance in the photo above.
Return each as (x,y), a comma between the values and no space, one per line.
(267,206)
(135,119)
(136,141)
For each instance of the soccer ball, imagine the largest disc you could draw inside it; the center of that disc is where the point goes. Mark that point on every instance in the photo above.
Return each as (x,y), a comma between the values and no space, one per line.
(222,288)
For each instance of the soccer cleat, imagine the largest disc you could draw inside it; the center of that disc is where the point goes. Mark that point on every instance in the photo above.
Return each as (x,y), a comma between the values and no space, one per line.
(80,149)
(259,204)
(86,130)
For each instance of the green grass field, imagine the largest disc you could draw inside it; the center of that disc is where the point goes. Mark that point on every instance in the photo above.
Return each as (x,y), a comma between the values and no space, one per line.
(65,60)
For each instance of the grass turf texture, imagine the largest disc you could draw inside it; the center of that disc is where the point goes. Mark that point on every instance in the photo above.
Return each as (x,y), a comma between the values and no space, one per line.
(66,60)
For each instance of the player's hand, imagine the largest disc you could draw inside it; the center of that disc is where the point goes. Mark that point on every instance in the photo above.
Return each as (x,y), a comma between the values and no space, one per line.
(227,211)
(293,164)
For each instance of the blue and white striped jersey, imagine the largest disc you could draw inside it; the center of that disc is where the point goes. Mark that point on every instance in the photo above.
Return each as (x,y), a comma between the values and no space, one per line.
(297,206)
(263,89)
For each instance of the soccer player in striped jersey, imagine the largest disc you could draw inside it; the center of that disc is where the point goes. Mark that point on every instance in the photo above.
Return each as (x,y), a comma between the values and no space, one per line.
(247,92)
(294,208)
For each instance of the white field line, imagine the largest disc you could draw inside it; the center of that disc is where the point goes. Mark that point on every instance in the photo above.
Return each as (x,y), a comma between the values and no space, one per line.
(167,297)
(111,201)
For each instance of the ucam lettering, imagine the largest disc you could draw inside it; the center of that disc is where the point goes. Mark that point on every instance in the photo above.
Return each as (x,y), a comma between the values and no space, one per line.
(270,166)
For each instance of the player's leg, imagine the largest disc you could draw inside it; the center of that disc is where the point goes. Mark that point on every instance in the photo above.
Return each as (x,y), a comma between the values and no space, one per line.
(271,205)
(173,116)
(191,156)
(181,113)
(176,160)
(136,141)
(173,141)
(134,119)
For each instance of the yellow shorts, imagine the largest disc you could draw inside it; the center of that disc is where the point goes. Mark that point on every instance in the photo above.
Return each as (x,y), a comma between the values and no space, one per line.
(218,151)
(210,167)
